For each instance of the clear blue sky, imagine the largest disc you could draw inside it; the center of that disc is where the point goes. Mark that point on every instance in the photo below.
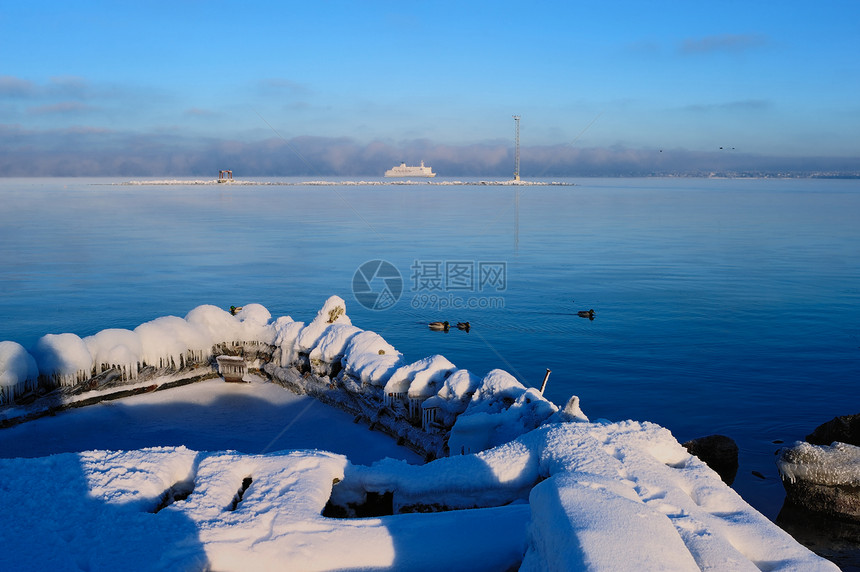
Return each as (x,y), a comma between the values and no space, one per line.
(773,78)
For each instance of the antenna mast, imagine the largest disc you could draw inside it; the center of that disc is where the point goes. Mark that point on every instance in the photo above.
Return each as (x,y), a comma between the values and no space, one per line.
(517,155)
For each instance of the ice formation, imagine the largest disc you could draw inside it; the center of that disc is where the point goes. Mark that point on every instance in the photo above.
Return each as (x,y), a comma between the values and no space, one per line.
(168,343)
(18,371)
(63,358)
(834,465)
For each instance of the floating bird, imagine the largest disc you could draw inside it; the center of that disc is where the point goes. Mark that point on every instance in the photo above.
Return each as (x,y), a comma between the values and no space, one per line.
(463,326)
(439,326)
(586,314)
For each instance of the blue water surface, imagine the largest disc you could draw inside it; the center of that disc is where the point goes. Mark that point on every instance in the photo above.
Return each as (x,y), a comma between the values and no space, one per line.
(721,306)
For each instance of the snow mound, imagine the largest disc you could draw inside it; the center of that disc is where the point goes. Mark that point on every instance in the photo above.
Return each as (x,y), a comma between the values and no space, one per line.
(500,410)
(286,333)
(615,496)
(370,359)
(18,371)
(331,348)
(63,357)
(332,312)
(419,378)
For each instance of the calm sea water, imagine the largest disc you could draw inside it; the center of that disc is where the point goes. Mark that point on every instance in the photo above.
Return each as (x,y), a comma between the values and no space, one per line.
(721,306)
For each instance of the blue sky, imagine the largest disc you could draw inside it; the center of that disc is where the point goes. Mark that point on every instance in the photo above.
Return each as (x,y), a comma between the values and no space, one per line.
(772,79)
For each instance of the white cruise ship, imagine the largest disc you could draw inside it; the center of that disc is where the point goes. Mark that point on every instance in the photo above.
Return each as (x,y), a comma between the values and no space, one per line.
(404,171)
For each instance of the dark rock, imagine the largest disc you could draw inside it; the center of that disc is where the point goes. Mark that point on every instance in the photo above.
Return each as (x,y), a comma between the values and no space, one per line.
(835,539)
(845,429)
(718,452)
(822,479)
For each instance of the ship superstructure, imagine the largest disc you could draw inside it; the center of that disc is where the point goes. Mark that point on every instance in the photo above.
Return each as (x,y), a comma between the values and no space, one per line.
(404,170)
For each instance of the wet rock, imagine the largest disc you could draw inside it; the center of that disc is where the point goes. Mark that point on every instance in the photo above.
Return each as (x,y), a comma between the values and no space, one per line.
(718,452)
(834,539)
(845,429)
(822,479)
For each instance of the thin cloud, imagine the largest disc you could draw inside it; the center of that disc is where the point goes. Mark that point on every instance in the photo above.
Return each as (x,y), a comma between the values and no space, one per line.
(61,108)
(199,112)
(283,86)
(11,86)
(730,106)
(722,43)
(70,86)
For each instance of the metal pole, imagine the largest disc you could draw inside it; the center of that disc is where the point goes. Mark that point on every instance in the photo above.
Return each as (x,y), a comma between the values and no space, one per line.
(517,154)
(546,377)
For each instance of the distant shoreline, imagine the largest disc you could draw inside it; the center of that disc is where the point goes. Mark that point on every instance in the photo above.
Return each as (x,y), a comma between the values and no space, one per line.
(324,183)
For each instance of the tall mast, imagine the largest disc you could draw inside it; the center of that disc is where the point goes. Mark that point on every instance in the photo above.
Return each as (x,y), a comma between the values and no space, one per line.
(517,155)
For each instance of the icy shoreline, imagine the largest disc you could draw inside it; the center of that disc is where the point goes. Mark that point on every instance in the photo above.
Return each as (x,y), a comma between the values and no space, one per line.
(536,486)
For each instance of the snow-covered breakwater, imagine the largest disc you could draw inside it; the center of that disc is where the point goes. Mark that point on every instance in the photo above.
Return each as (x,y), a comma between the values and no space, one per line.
(68,364)
(430,405)
(360,183)
(546,489)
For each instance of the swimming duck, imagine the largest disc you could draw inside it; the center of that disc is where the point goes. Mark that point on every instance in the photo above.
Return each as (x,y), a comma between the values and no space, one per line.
(439,326)
(463,326)
(586,314)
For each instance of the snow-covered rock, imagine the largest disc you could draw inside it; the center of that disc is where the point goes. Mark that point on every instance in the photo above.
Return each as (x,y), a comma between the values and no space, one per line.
(426,371)
(115,347)
(286,333)
(331,348)
(500,410)
(332,312)
(214,324)
(370,359)
(63,357)
(18,371)
(169,341)
(821,478)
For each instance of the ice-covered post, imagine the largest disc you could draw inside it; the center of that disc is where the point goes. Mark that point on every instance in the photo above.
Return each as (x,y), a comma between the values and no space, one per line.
(546,377)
